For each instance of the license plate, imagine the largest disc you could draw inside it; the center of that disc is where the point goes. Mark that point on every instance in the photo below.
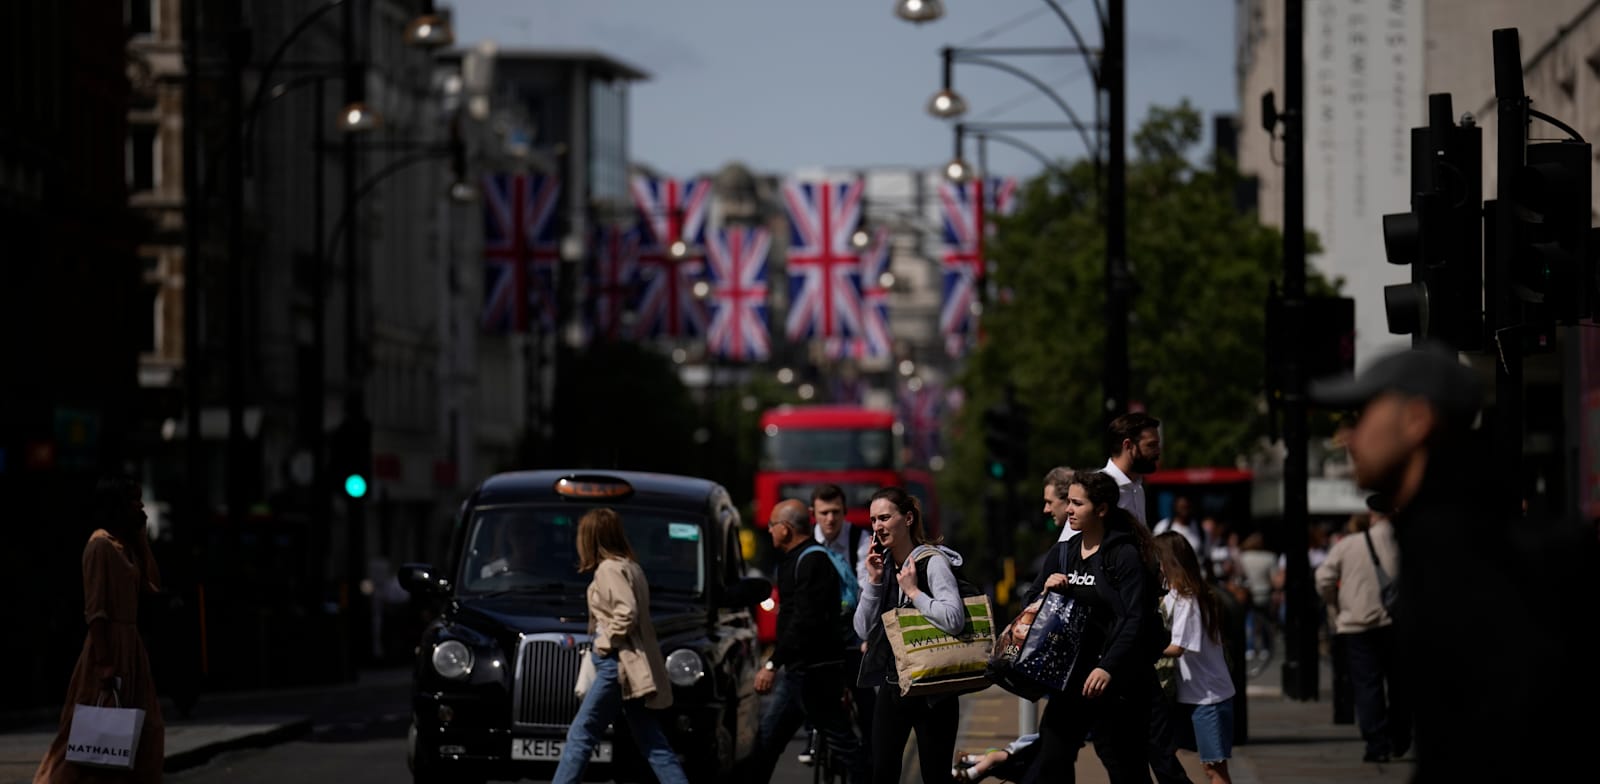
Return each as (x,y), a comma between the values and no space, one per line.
(549,750)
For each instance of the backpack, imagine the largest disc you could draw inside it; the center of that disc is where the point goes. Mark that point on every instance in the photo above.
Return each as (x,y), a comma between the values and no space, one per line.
(849,589)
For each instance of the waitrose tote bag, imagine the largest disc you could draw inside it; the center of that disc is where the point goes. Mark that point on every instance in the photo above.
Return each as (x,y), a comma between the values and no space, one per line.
(104,737)
(929,661)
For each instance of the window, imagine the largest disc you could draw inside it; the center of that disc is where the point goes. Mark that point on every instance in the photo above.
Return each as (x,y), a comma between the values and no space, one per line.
(142,157)
(141,16)
(799,449)
(533,549)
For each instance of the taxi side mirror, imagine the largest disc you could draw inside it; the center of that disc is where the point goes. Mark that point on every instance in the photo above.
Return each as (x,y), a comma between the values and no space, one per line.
(420,580)
(746,593)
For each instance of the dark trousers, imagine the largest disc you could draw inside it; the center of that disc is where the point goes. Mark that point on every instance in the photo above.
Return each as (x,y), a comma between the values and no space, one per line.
(894,718)
(1383,710)
(802,696)
(862,697)
(1121,726)
(1164,739)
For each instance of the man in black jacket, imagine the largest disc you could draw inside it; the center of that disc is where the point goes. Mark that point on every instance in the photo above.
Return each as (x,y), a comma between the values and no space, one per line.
(808,654)
(1498,657)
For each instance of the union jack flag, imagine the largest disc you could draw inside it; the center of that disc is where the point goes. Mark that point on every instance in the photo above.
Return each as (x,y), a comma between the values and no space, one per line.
(920,406)
(875,341)
(737,269)
(966,208)
(615,275)
(520,250)
(824,269)
(671,211)
(962,208)
(1003,195)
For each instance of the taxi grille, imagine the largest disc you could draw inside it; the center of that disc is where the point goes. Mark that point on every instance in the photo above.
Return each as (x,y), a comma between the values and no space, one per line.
(542,696)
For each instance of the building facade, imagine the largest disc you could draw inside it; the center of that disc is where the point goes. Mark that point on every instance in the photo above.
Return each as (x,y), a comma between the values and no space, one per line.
(70,317)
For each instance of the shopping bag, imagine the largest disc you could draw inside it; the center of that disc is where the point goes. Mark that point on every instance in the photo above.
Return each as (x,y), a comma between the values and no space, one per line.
(1061,644)
(105,737)
(929,661)
(585,672)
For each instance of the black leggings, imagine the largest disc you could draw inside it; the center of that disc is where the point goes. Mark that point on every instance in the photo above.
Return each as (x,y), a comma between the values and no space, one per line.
(1121,724)
(935,720)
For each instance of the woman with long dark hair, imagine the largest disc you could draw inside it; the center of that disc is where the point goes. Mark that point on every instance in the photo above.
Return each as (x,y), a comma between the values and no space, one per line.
(113,666)
(907,568)
(1106,567)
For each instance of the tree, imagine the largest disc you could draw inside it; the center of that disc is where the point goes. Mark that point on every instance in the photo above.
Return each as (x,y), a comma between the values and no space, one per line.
(1201,269)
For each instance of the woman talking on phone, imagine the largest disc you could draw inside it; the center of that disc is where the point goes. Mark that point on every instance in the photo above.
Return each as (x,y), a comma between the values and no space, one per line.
(907,569)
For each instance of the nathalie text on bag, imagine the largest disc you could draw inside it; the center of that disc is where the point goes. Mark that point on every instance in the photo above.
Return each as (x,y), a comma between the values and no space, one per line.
(104,737)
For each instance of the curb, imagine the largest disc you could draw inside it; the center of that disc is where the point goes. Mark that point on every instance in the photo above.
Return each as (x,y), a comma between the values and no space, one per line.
(270,736)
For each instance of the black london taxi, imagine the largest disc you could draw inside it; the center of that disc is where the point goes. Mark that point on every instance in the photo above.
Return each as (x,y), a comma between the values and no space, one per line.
(493,685)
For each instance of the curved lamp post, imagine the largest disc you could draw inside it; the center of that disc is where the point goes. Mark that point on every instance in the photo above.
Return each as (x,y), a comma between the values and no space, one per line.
(1109,70)
(919,11)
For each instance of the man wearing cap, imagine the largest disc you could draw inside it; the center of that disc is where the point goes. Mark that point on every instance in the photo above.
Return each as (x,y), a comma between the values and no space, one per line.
(1493,651)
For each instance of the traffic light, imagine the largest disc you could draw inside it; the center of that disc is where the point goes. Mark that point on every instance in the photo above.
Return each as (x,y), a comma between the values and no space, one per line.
(1550,268)
(1005,441)
(350,463)
(1442,237)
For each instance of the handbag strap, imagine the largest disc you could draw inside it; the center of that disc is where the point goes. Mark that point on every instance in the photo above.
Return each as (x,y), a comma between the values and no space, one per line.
(1383,575)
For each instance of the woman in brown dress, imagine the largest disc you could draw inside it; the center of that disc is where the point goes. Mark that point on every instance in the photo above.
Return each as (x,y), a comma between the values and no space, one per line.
(117,565)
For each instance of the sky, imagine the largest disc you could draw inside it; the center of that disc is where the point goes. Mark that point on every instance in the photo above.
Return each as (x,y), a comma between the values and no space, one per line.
(782,85)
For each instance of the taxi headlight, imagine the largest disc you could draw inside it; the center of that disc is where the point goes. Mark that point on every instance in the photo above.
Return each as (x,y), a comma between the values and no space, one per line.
(685,668)
(452,660)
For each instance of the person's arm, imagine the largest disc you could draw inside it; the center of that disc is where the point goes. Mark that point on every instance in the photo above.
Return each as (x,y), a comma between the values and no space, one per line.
(1051,565)
(617,606)
(1188,628)
(96,607)
(863,548)
(867,611)
(1127,579)
(1328,576)
(943,608)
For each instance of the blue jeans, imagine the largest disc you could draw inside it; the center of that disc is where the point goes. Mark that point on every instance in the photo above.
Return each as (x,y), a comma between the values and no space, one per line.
(599,708)
(1213,730)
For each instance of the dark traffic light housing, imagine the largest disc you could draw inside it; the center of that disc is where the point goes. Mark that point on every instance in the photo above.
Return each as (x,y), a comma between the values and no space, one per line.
(1005,441)
(350,461)
(1550,218)
(1441,239)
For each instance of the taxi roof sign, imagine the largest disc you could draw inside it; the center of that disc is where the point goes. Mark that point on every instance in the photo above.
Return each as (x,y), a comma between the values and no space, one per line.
(592,487)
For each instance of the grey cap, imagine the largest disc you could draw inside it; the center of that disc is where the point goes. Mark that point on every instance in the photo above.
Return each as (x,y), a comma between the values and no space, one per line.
(1429,372)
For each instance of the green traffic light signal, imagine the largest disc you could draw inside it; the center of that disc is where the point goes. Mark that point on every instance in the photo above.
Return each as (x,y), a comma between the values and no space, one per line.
(355,486)
(997,469)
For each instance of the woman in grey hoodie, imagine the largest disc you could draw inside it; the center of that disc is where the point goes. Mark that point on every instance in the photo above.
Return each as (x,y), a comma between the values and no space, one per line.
(907,569)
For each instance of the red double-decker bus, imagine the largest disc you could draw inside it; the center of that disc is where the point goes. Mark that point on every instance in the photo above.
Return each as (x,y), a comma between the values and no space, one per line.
(859,449)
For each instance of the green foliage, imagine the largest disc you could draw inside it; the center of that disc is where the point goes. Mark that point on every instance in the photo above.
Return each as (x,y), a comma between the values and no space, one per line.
(624,406)
(620,406)
(1201,270)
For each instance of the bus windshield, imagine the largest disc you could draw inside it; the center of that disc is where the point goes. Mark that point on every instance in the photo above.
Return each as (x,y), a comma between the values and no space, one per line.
(828,449)
(534,549)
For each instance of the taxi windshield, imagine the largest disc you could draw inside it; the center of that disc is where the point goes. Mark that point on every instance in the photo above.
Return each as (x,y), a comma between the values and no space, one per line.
(533,549)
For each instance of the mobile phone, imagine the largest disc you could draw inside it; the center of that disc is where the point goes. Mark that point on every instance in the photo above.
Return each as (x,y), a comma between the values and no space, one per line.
(879,547)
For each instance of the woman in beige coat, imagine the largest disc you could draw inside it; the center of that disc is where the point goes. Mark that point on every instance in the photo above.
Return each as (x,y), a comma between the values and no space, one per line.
(630,675)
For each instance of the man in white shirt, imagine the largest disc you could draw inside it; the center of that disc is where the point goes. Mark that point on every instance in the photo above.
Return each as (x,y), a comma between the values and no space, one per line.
(834,532)
(1135,441)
